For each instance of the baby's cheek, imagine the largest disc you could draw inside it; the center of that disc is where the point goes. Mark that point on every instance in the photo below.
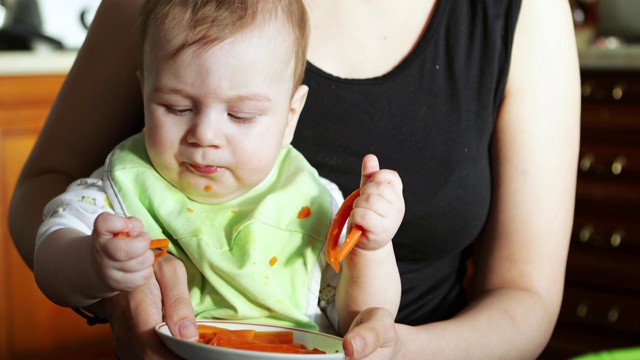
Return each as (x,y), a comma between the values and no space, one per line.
(255,169)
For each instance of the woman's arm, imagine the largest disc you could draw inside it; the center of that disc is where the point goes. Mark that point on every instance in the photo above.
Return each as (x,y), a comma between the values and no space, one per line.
(523,251)
(98,106)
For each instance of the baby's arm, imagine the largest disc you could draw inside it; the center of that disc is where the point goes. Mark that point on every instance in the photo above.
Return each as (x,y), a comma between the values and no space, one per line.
(75,246)
(74,269)
(370,276)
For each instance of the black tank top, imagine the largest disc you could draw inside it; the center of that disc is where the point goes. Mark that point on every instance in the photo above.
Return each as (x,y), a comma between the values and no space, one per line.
(431,119)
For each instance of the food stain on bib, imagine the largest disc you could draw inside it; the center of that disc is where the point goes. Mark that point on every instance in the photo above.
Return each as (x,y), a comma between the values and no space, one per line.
(273,261)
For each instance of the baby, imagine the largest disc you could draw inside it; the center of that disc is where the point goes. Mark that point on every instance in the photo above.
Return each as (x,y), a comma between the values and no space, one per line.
(214,172)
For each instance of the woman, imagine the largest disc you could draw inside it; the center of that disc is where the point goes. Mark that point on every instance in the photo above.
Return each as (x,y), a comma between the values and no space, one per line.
(474,102)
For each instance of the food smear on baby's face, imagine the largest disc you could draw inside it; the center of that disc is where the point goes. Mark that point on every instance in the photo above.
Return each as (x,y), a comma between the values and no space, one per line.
(208,188)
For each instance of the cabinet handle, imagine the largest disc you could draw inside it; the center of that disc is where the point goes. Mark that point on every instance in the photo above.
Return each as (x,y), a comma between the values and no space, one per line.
(618,91)
(613,314)
(585,161)
(582,309)
(585,233)
(618,163)
(586,90)
(616,238)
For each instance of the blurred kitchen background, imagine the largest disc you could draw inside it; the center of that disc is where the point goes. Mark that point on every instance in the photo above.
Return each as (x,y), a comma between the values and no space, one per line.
(56,24)
(601,308)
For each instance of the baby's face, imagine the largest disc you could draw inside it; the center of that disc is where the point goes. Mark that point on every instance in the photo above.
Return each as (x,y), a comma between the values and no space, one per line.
(217,118)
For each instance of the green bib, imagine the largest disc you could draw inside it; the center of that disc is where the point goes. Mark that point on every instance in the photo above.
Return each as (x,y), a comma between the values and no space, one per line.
(248,259)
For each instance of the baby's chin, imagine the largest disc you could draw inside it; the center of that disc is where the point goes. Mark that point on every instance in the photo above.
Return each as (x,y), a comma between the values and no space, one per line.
(208,194)
(211,199)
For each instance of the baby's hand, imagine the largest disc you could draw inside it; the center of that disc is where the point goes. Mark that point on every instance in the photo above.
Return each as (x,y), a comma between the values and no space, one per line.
(120,250)
(380,207)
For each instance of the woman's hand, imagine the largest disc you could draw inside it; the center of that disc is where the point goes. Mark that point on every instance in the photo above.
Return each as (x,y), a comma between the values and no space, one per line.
(133,315)
(372,335)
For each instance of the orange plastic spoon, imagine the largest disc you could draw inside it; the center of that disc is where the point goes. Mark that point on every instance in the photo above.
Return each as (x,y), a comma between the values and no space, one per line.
(335,255)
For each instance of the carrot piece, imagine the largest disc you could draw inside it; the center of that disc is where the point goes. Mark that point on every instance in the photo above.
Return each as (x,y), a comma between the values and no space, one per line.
(229,339)
(298,346)
(317,351)
(208,329)
(351,241)
(335,256)
(162,244)
(243,333)
(274,337)
(252,340)
(157,256)
(206,338)
(159,244)
(266,339)
(304,213)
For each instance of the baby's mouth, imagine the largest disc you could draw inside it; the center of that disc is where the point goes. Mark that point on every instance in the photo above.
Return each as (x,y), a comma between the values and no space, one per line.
(205,169)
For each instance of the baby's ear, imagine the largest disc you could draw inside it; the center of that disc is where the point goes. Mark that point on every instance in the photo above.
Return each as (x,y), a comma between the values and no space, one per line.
(297,104)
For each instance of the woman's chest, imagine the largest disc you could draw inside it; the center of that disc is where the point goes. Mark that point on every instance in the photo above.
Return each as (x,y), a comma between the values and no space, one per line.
(365,39)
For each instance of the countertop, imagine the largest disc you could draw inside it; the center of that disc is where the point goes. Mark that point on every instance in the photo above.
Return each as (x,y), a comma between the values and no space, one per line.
(25,63)
(609,55)
(623,57)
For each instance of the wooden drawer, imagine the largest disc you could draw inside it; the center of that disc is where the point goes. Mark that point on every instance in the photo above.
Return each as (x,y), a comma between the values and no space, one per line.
(611,108)
(616,316)
(608,198)
(609,179)
(616,233)
(610,162)
(615,125)
(603,269)
(611,87)
(568,341)
(601,304)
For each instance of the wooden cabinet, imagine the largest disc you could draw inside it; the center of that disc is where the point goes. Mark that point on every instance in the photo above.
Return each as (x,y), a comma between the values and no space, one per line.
(31,327)
(601,306)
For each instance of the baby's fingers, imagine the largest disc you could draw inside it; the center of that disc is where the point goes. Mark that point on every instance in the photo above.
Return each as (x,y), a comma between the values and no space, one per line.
(124,262)
(385,178)
(124,277)
(377,225)
(108,225)
(127,249)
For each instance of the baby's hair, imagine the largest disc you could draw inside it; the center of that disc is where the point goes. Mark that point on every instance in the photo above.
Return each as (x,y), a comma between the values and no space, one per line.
(205,23)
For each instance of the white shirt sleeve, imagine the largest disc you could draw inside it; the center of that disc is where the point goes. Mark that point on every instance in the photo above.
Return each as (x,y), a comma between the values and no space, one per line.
(77,207)
(329,278)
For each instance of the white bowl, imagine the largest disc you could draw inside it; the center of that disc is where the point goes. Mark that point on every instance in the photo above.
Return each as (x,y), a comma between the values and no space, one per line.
(189,350)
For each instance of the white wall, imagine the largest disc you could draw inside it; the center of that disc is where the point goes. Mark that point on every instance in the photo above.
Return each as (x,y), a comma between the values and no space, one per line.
(61,19)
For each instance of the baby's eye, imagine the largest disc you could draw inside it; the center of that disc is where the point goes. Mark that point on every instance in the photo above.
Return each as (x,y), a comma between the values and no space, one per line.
(177,110)
(242,119)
